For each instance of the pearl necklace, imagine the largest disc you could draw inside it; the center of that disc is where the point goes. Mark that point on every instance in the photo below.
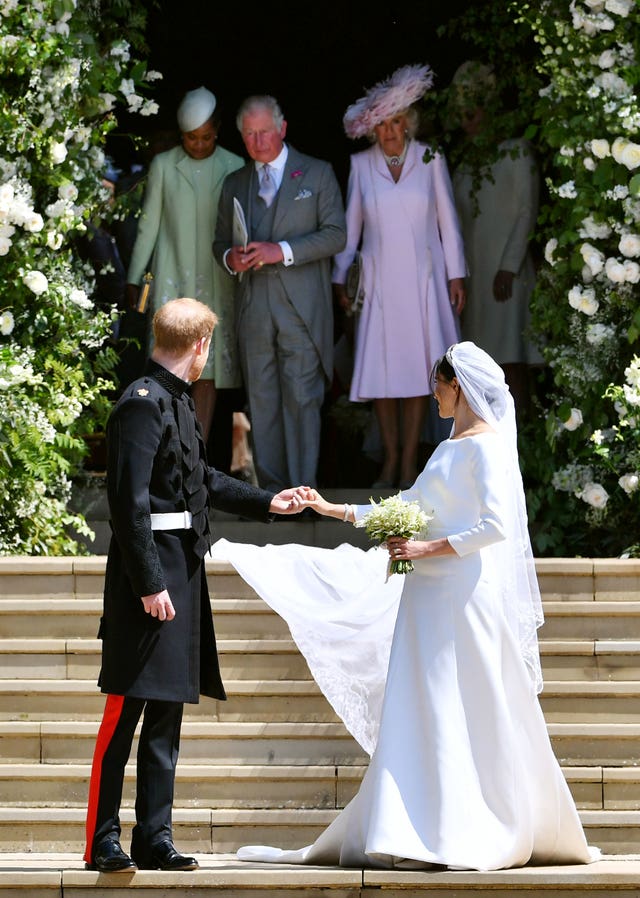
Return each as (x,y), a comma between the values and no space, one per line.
(397,161)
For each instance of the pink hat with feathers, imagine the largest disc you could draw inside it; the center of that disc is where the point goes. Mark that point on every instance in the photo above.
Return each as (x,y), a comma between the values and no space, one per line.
(398,92)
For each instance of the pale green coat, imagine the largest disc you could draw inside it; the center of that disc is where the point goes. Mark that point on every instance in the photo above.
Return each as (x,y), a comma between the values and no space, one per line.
(175,236)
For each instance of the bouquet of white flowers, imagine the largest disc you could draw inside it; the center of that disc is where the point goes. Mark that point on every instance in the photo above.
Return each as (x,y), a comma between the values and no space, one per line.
(395,517)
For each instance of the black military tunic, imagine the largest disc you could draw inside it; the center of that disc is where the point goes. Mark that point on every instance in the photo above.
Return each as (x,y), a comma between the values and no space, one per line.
(157,464)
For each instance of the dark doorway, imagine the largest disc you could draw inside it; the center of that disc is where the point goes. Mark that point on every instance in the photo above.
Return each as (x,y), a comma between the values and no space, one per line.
(316,58)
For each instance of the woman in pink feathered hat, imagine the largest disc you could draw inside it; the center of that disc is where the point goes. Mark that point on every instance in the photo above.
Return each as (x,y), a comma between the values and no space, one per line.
(402,217)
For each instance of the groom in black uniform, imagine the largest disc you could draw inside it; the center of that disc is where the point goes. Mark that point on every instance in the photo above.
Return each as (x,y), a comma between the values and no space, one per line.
(158,642)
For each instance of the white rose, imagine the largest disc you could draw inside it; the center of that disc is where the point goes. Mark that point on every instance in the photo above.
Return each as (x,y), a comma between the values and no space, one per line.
(587,274)
(80,298)
(600,148)
(629,483)
(58,153)
(630,155)
(596,230)
(7,323)
(583,300)
(589,163)
(607,59)
(595,5)
(34,222)
(592,257)
(617,146)
(20,211)
(574,420)
(5,245)
(594,494)
(57,209)
(54,240)
(68,192)
(631,272)
(36,282)
(615,271)
(589,304)
(575,297)
(629,245)
(619,7)
(6,230)
(549,250)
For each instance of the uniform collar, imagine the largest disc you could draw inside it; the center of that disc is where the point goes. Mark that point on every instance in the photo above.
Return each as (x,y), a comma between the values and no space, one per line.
(173,384)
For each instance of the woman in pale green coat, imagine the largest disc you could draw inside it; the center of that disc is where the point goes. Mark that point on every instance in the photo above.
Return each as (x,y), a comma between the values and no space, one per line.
(175,235)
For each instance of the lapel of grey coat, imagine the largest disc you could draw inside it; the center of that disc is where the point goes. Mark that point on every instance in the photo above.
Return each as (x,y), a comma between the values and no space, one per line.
(288,188)
(250,187)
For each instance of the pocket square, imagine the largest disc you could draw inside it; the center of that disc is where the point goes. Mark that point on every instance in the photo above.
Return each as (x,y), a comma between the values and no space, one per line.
(303,194)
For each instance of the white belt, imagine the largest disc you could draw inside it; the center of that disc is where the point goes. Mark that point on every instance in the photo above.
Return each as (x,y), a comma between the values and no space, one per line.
(172,520)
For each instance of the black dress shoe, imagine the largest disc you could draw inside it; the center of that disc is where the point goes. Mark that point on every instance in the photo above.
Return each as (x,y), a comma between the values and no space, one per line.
(163,856)
(109,857)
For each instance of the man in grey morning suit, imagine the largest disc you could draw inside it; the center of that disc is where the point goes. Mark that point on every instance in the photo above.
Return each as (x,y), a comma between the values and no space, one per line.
(295,223)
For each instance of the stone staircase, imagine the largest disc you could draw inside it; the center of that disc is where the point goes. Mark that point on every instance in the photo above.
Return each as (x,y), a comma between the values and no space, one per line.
(273,764)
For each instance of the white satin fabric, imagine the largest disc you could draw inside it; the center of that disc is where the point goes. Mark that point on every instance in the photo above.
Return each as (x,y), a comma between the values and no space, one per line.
(463,774)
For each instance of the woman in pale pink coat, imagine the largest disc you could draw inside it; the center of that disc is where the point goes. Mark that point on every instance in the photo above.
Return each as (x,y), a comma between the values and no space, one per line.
(401,213)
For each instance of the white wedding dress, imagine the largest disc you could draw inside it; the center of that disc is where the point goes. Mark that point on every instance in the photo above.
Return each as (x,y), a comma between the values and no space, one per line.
(462,772)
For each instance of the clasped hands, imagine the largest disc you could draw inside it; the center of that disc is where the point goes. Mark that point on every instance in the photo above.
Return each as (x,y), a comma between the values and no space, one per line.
(255,255)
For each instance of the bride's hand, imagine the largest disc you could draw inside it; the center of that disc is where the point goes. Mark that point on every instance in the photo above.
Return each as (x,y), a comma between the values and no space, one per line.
(410,549)
(318,503)
(401,549)
(329,509)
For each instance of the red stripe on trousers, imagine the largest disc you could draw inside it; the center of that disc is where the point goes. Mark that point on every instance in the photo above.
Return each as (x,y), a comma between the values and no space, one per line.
(110,719)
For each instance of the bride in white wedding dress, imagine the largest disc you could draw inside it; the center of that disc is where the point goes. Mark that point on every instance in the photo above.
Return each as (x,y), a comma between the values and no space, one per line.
(462,772)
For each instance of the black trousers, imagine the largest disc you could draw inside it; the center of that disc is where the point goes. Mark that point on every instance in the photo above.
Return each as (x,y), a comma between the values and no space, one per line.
(157,757)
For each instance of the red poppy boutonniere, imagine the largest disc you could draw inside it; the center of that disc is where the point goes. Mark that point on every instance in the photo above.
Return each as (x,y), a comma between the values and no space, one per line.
(297,173)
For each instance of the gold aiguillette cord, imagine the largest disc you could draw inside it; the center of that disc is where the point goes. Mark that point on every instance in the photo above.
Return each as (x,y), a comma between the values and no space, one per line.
(144,293)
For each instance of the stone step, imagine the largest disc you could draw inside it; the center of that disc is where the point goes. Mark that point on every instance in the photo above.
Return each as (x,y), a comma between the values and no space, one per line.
(202,742)
(205,830)
(279,659)
(587,659)
(65,617)
(61,874)
(282,701)
(71,742)
(273,786)
(591,620)
(79,658)
(562,580)
(241,617)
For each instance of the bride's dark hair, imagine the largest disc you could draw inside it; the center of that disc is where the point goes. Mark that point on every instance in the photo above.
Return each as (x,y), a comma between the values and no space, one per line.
(444,367)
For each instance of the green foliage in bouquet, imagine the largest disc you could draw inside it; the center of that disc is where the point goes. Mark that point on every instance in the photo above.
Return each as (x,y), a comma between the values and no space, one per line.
(394,516)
